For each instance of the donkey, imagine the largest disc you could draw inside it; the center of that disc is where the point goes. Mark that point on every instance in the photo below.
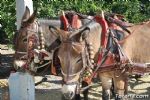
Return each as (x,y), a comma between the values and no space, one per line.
(132,46)
(46,40)
(74,55)
(136,46)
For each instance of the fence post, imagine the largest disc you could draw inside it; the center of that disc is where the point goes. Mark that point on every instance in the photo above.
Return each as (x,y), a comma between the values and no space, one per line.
(20,8)
(21,85)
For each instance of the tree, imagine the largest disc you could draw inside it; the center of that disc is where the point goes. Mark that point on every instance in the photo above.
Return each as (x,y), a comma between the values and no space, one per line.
(134,10)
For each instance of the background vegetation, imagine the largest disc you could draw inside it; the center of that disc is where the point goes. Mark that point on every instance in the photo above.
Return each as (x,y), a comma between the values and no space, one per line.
(134,10)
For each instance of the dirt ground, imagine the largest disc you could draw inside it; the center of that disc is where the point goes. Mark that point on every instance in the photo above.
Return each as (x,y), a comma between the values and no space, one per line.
(51,89)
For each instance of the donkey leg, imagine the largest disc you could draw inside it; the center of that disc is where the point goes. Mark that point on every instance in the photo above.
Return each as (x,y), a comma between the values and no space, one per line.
(85,93)
(120,84)
(113,89)
(126,85)
(106,86)
(77,97)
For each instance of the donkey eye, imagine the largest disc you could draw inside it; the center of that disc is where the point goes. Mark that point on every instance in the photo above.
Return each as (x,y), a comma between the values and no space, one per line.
(79,60)
(25,40)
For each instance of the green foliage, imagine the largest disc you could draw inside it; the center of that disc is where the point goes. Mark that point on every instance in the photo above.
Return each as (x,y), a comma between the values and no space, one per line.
(134,10)
(7,19)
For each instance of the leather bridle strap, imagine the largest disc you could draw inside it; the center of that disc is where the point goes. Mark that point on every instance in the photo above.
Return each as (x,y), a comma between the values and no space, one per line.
(30,30)
(20,52)
(84,65)
(101,63)
(76,75)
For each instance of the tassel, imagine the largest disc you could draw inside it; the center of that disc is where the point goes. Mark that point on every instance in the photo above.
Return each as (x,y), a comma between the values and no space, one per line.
(64,21)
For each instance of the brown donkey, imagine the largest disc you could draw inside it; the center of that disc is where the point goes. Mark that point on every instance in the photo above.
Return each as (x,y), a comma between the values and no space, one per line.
(75,53)
(42,41)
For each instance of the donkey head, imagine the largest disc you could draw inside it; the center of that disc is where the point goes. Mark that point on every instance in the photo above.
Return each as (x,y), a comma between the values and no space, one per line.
(28,26)
(70,54)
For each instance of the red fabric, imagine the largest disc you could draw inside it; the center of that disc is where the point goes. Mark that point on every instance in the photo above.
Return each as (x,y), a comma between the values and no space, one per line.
(104,25)
(109,60)
(65,22)
(99,58)
(76,22)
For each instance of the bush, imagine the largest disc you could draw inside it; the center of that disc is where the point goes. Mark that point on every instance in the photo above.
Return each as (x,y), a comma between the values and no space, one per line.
(134,10)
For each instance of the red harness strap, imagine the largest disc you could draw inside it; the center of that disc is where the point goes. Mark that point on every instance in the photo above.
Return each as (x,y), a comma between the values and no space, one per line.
(104,26)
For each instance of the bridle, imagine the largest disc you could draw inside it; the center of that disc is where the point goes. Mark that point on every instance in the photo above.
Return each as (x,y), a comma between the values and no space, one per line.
(36,36)
(86,63)
(36,31)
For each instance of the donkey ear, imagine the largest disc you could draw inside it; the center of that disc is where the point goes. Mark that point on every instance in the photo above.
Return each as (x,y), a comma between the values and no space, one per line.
(32,17)
(54,30)
(85,33)
(26,14)
(81,35)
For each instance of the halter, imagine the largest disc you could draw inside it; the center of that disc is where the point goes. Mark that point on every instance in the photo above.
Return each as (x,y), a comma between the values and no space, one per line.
(30,30)
(85,61)
(36,32)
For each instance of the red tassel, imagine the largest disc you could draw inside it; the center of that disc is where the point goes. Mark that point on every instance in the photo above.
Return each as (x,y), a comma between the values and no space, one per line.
(75,22)
(65,22)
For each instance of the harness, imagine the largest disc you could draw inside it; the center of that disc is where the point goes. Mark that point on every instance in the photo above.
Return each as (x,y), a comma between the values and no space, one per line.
(120,60)
(27,30)
(88,62)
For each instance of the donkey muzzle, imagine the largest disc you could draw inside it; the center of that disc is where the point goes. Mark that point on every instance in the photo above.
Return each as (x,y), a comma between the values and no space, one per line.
(18,64)
(69,91)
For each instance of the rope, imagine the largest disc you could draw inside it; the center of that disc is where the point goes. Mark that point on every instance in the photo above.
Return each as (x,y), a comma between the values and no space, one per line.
(89,86)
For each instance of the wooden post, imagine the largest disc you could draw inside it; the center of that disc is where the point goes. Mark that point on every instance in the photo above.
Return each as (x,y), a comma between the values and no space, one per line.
(21,85)
(20,8)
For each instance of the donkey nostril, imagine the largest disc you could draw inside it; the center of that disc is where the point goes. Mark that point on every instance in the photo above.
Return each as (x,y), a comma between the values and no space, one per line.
(25,40)
(71,94)
(79,60)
